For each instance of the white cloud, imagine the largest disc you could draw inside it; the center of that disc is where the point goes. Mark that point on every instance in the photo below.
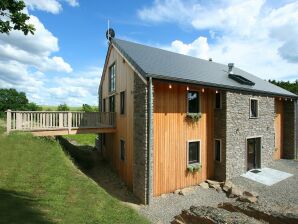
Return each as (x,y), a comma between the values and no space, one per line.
(51,6)
(252,33)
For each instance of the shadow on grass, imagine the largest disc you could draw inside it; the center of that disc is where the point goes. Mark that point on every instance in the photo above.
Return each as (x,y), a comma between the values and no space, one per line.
(18,207)
(91,164)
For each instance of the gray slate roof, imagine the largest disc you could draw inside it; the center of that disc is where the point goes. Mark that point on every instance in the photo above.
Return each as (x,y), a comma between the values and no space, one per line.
(162,64)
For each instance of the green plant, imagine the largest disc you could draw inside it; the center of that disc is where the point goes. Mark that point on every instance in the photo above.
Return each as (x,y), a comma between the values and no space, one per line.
(194,167)
(193,117)
(63,107)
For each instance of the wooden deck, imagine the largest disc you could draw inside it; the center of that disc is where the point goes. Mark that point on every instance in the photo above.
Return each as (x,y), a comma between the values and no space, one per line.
(51,123)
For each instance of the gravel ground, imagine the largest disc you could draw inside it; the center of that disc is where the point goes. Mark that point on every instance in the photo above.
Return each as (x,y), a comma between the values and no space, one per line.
(163,209)
(284,193)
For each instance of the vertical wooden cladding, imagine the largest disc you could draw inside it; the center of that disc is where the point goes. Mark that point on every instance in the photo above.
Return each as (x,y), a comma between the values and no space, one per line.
(171,133)
(124,122)
(278,125)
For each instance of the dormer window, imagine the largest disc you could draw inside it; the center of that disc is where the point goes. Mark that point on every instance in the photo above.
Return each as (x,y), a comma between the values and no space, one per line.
(112,78)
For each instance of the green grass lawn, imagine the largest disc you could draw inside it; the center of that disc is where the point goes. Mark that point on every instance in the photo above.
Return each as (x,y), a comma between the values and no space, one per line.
(82,139)
(40,184)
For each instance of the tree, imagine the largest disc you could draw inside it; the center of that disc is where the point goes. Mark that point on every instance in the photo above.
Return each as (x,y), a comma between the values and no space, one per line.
(63,107)
(14,100)
(13,17)
(290,86)
(87,108)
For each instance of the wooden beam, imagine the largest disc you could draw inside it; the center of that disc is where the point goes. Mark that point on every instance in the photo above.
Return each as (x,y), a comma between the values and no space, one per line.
(73,131)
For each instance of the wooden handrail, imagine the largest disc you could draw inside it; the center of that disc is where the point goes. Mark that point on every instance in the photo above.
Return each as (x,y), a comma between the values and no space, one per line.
(41,120)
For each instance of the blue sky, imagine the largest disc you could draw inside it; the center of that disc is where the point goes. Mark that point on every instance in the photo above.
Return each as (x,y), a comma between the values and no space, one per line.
(62,62)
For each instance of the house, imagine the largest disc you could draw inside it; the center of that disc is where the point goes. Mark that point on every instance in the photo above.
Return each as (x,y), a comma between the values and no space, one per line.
(181,120)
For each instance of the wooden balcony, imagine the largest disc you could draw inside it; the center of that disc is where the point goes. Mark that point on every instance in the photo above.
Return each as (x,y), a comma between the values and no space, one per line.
(50,123)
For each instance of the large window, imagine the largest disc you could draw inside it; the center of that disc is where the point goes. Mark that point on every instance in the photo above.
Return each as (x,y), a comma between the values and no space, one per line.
(194,152)
(193,102)
(254,104)
(218,100)
(112,78)
(217,148)
(122,102)
(104,105)
(112,104)
(122,150)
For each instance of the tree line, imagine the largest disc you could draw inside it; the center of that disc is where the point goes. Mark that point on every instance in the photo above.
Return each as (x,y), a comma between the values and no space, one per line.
(14,100)
(290,86)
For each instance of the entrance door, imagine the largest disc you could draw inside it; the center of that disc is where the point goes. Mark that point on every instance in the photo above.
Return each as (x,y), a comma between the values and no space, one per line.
(253,153)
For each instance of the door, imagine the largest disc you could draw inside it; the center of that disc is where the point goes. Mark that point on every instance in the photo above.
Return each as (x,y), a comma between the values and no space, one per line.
(253,153)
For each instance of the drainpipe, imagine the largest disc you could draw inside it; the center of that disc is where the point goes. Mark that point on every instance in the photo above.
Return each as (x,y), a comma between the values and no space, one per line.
(149,150)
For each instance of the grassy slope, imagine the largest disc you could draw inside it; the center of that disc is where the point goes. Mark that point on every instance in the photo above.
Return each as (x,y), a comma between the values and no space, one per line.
(39,184)
(82,139)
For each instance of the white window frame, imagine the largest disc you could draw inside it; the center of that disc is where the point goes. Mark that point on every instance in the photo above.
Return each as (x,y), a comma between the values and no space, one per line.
(220,150)
(250,115)
(187,151)
(199,97)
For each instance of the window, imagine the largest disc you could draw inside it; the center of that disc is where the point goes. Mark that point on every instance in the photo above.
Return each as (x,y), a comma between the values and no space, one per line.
(193,102)
(122,149)
(254,108)
(104,105)
(193,152)
(103,135)
(112,78)
(217,146)
(112,104)
(122,102)
(218,100)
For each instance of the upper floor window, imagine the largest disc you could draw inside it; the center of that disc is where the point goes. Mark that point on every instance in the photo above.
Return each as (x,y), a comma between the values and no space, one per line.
(218,100)
(112,104)
(104,105)
(112,78)
(122,102)
(193,102)
(254,108)
(194,152)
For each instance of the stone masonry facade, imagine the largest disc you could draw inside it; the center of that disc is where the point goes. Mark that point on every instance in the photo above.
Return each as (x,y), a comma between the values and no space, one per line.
(140,136)
(289,130)
(239,127)
(220,133)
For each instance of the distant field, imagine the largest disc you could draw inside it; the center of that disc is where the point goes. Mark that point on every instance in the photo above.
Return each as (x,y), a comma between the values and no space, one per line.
(54,108)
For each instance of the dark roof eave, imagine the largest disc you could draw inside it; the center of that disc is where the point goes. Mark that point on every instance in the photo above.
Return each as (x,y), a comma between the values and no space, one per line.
(225,87)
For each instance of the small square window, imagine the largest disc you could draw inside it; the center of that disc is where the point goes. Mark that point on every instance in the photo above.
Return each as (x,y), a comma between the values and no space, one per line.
(194,152)
(193,102)
(122,150)
(254,108)
(218,100)
(122,102)
(217,146)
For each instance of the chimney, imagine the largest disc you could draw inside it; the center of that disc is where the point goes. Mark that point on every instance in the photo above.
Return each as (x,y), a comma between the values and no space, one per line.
(231,66)
(210,59)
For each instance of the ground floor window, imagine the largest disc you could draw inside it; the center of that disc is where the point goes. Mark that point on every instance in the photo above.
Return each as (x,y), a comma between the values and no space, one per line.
(122,149)
(194,152)
(217,147)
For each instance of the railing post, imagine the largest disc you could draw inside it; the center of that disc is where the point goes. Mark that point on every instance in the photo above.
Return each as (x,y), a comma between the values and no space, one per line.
(69,119)
(60,120)
(18,120)
(8,121)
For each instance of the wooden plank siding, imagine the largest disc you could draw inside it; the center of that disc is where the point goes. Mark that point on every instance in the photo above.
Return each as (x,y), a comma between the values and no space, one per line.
(124,123)
(172,132)
(278,125)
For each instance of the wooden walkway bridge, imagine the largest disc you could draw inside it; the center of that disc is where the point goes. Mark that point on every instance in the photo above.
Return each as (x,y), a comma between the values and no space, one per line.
(51,123)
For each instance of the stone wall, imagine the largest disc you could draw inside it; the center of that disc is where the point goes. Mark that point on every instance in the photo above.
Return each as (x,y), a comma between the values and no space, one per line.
(240,127)
(289,130)
(220,133)
(140,140)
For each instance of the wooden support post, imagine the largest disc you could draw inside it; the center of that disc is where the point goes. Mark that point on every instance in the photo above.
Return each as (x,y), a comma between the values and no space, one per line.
(8,121)
(60,120)
(69,121)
